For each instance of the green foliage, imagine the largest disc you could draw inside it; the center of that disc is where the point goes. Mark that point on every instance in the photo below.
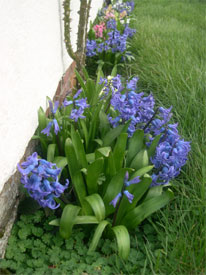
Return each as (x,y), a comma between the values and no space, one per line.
(36,248)
(99,157)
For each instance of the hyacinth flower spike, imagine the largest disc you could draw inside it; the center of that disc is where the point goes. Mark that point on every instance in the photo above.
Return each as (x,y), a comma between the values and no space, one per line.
(133,181)
(129,196)
(40,178)
(54,122)
(116,199)
(54,108)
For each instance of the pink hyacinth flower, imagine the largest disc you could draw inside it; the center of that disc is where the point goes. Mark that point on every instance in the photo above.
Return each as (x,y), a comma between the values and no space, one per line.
(109,15)
(99,29)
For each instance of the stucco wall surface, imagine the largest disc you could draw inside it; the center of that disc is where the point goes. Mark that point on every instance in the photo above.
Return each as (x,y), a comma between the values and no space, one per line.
(30,67)
(32,61)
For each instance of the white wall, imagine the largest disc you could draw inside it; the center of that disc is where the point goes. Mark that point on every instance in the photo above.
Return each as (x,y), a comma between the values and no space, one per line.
(32,61)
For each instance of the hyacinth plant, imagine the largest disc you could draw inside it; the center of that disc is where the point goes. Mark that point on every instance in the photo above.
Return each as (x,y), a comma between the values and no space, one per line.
(117,149)
(108,38)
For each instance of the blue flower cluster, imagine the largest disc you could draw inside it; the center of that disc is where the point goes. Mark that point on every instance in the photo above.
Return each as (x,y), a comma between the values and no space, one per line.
(114,37)
(125,6)
(130,105)
(115,42)
(79,106)
(129,196)
(77,112)
(171,152)
(40,178)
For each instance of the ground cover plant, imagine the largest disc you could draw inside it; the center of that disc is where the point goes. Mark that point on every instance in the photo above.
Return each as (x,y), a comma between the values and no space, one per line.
(149,125)
(169,50)
(35,247)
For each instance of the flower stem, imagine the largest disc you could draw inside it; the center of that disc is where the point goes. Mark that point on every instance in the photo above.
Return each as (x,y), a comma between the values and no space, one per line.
(116,212)
(148,123)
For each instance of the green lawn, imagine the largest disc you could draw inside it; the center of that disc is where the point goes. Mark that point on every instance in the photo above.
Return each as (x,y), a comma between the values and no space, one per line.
(170,59)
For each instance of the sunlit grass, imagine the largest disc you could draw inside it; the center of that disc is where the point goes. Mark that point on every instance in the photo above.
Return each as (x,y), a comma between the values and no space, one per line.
(170,59)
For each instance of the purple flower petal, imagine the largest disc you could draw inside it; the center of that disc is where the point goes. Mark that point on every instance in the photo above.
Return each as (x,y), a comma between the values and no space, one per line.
(56,126)
(129,196)
(47,130)
(67,103)
(116,199)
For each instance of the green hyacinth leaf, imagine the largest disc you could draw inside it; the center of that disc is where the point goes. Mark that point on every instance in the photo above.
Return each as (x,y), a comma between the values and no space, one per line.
(86,220)
(85,132)
(78,147)
(71,157)
(55,222)
(81,81)
(110,165)
(67,220)
(142,171)
(140,160)
(98,141)
(51,152)
(154,191)
(123,240)
(76,175)
(103,151)
(94,122)
(90,91)
(114,133)
(86,75)
(61,162)
(97,235)
(93,172)
(99,75)
(42,119)
(153,145)
(134,217)
(114,71)
(119,150)
(80,190)
(97,205)
(90,157)
(136,143)
(104,125)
